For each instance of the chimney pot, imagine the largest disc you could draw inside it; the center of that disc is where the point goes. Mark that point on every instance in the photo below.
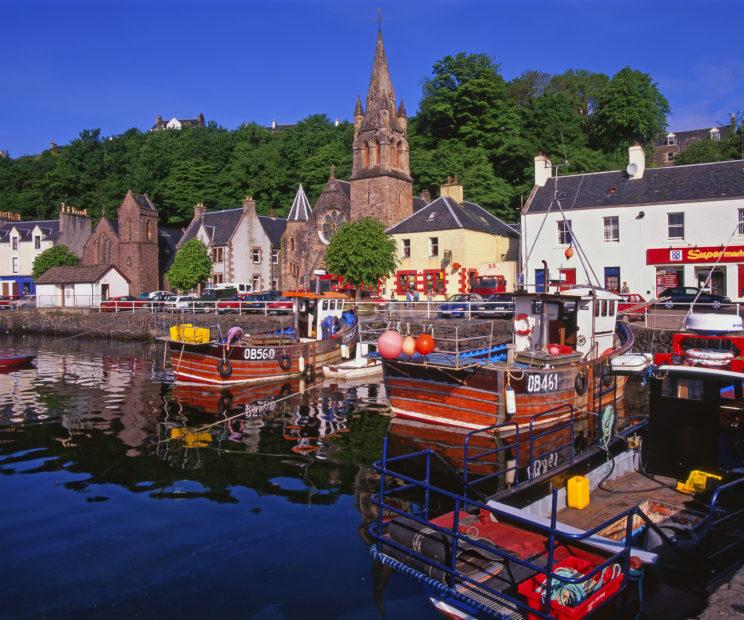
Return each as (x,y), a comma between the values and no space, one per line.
(452,189)
(636,156)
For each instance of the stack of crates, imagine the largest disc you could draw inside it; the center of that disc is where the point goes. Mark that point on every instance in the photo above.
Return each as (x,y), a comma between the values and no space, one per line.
(186,332)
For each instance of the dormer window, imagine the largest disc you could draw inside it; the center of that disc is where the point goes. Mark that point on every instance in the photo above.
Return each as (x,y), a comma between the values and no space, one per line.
(432,215)
(715,134)
(671,139)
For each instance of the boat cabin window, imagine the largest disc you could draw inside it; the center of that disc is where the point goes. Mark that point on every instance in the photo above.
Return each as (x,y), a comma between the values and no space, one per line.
(687,389)
(612,307)
(325,304)
(596,307)
(604,307)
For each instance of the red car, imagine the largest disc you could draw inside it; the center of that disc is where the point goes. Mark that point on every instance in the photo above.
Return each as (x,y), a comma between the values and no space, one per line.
(628,309)
(122,303)
(231,304)
(281,305)
(5,301)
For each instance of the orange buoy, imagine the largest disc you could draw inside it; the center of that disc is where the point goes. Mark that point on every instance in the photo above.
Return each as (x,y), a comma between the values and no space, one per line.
(424,344)
(569,252)
(409,345)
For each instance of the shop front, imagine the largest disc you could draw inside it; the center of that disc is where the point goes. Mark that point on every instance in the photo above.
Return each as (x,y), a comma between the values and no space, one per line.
(715,269)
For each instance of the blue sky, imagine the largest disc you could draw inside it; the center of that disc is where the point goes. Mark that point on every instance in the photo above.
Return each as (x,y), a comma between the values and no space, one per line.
(73,64)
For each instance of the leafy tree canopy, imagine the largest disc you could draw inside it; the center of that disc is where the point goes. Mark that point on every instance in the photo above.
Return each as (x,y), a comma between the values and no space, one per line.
(191,266)
(361,252)
(56,256)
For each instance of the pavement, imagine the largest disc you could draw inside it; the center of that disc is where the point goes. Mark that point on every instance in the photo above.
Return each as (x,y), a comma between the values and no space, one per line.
(727,601)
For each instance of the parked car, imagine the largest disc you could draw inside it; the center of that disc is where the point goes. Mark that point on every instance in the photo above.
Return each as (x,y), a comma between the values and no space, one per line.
(5,302)
(500,305)
(685,295)
(257,302)
(121,303)
(208,301)
(628,310)
(486,286)
(281,305)
(179,302)
(229,304)
(457,306)
(29,301)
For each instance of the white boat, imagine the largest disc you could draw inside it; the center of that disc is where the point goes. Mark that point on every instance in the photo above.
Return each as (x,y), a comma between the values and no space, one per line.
(713,324)
(360,367)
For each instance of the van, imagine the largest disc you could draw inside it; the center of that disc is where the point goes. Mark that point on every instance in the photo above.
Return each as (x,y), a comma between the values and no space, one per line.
(488,285)
(242,287)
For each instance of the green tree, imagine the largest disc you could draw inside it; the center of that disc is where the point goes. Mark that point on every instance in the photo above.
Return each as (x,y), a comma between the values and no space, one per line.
(582,87)
(191,266)
(56,256)
(703,151)
(362,252)
(629,108)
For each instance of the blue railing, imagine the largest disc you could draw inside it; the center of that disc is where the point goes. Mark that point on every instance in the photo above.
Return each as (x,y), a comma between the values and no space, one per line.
(447,587)
(718,517)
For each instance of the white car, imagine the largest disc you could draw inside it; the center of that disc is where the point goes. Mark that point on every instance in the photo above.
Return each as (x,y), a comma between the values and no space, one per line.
(180,302)
(160,294)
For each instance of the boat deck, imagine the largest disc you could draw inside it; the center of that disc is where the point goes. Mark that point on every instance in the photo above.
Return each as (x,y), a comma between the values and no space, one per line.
(630,490)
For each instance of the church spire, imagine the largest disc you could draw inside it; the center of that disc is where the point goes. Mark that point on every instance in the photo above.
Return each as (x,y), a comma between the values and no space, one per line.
(380,85)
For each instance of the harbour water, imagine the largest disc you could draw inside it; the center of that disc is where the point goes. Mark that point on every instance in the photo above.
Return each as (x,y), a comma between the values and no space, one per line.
(126,496)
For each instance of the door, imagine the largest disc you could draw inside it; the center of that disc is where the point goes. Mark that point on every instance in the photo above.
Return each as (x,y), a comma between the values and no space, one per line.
(567,278)
(539,280)
(612,279)
(104,292)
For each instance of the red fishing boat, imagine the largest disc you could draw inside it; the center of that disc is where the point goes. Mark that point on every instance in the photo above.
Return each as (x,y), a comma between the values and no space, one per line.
(9,361)
(324,332)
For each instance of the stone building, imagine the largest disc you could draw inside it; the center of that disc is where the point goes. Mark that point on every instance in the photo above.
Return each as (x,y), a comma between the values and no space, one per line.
(129,243)
(380,185)
(178,123)
(22,241)
(668,146)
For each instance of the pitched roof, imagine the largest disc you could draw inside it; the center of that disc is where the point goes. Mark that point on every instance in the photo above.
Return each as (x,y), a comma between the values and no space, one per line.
(220,226)
(445,213)
(713,181)
(691,135)
(300,211)
(168,239)
(143,200)
(274,228)
(49,229)
(76,273)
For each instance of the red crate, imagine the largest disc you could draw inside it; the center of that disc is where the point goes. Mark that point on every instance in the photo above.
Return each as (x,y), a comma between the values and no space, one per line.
(528,590)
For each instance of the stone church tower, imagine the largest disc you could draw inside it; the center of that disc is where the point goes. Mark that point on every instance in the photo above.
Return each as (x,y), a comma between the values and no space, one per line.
(138,243)
(381,184)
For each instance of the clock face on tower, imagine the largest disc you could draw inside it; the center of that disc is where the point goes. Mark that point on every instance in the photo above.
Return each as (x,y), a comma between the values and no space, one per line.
(329,224)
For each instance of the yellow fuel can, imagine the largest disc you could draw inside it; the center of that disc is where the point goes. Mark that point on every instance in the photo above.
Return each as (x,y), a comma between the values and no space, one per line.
(577,492)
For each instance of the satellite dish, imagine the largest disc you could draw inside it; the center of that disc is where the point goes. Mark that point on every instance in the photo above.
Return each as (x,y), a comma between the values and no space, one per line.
(631,169)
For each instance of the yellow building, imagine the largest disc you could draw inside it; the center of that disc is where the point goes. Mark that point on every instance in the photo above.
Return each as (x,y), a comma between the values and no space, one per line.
(445,245)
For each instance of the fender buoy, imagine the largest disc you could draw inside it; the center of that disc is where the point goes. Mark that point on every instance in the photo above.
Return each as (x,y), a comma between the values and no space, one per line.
(224,368)
(581,384)
(522,325)
(285,389)
(606,378)
(710,358)
(310,373)
(607,352)
(285,362)
(225,402)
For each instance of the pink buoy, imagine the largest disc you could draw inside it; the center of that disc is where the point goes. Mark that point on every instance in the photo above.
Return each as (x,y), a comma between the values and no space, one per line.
(554,349)
(390,344)
(409,345)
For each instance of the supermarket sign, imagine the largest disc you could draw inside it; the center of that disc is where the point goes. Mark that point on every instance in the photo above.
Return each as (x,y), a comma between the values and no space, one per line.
(670,256)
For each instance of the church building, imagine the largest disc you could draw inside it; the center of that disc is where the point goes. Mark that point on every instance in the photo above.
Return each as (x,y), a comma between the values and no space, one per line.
(380,185)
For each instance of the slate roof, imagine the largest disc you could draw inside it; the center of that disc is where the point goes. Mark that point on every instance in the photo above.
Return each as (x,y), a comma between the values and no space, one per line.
(445,213)
(695,182)
(143,200)
(300,211)
(49,229)
(75,274)
(168,239)
(274,228)
(691,135)
(220,226)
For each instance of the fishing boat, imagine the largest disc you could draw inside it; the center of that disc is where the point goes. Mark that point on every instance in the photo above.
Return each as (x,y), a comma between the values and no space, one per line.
(360,367)
(324,332)
(10,361)
(557,365)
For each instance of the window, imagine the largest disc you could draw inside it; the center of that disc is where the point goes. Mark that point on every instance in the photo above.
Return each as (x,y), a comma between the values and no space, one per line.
(257,283)
(256,255)
(433,246)
(217,255)
(217,278)
(324,305)
(274,283)
(275,256)
(671,139)
(365,154)
(406,281)
(15,264)
(14,243)
(741,221)
(37,242)
(407,242)
(604,307)
(612,228)
(676,225)
(612,279)
(564,232)
(669,156)
(149,230)
(434,281)
(291,244)
(376,153)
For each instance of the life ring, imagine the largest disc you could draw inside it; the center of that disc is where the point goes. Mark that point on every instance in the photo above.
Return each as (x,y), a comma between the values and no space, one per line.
(225,402)
(581,384)
(285,362)
(224,368)
(310,373)
(522,325)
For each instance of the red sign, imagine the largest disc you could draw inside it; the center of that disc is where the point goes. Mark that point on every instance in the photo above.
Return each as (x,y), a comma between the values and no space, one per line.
(712,254)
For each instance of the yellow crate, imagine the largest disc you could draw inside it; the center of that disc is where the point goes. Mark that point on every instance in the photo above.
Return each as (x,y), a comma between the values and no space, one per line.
(577,492)
(186,332)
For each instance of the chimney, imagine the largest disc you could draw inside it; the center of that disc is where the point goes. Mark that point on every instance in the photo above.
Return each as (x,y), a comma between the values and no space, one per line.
(453,189)
(543,169)
(425,195)
(249,204)
(636,161)
(199,210)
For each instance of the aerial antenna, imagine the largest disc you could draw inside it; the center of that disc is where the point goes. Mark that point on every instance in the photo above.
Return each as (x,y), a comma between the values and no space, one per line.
(565,155)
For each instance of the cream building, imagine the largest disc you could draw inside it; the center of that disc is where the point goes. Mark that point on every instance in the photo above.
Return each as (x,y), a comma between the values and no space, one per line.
(445,245)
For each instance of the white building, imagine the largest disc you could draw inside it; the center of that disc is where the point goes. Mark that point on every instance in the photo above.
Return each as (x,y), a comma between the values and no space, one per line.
(80,286)
(652,228)
(244,246)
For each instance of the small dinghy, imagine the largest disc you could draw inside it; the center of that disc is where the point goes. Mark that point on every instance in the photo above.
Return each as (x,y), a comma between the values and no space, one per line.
(359,367)
(631,364)
(11,360)
(714,324)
